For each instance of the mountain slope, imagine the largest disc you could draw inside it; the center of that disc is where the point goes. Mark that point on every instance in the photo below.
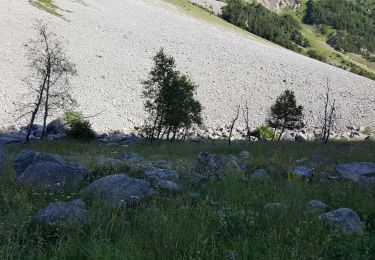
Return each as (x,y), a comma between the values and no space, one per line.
(113,41)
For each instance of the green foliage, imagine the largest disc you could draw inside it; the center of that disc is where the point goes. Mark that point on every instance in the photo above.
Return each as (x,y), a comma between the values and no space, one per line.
(353,21)
(368,131)
(280,29)
(313,54)
(79,128)
(285,114)
(266,132)
(169,100)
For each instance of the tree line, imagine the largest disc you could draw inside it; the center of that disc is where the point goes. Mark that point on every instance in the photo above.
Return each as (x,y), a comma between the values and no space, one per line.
(255,18)
(169,96)
(353,23)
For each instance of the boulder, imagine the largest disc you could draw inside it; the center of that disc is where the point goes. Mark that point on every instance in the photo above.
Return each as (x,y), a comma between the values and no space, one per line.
(131,157)
(62,214)
(343,219)
(12,138)
(370,138)
(362,172)
(155,175)
(57,126)
(119,190)
(301,138)
(38,169)
(210,165)
(260,174)
(302,172)
(166,185)
(317,206)
(286,137)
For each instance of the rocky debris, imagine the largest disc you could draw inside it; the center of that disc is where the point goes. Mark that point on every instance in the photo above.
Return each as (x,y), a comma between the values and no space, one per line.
(38,169)
(260,174)
(12,138)
(2,159)
(370,138)
(343,219)
(57,126)
(302,172)
(210,165)
(317,206)
(362,172)
(287,137)
(119,190)
(62,214)
(53,137)
(212,5)
(36,130)
(301,138)
(274,206)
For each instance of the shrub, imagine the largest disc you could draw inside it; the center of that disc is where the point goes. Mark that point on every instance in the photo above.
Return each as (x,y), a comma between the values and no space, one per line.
(79,128)
(265,132)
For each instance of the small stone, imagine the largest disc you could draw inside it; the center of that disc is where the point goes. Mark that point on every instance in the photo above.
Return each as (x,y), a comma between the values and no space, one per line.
(317,206)
(260,174)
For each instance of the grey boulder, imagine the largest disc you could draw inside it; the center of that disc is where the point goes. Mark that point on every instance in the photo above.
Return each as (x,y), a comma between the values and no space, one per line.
(210,165)
(119,190)
(40,169)
(362,172)
(166,185)
(65,214)
(305,173)
(343,219)
(57,126)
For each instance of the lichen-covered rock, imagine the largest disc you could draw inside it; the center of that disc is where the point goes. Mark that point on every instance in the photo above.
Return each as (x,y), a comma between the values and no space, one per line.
(66,214)
(40,169)
(343,219)
(169,186)
(362,172)
(119,190)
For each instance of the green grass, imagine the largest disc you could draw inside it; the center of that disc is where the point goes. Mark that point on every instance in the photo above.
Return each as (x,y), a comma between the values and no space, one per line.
(228,217)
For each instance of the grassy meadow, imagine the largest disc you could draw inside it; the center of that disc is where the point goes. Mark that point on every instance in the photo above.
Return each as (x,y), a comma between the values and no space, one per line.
(223,219)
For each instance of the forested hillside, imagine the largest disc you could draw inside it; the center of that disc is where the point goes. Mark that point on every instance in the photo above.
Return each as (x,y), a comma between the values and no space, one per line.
(350,25)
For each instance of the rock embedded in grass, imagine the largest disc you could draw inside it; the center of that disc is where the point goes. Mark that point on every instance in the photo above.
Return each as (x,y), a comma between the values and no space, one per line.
(119,190)
(260,174)
(41,169)
(62,214)
(157,174)
(317,206)
(169,186)
(343,219)
(210,165)
(362,172)
(302,172)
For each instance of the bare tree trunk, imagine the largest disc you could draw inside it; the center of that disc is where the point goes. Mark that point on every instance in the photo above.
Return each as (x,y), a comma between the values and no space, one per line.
(46,104)
(233,122)
(246,118)
(281,133)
